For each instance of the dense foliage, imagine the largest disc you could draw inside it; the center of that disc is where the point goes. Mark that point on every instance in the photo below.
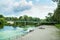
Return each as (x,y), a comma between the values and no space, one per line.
(25,20)
(2,22)
(11,18)
(56,15)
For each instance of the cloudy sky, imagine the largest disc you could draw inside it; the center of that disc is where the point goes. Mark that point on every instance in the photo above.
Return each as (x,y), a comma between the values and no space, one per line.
(34,8)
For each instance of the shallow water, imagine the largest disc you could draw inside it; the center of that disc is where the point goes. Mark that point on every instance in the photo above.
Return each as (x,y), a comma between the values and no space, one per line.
(9,33)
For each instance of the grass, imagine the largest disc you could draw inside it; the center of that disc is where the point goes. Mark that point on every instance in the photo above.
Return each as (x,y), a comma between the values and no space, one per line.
(57,25)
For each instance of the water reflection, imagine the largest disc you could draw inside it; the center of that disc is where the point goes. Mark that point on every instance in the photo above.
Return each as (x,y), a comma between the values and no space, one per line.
(10,31)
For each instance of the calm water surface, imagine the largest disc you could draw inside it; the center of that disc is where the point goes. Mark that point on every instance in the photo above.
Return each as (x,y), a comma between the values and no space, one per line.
(9,32)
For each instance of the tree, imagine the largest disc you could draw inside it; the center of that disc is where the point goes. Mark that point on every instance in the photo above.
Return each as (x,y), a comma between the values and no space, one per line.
(1,16)
(2,22)
(49,17)
(50,14)
(20,17)
(25,18)
(56,15)
(30,19)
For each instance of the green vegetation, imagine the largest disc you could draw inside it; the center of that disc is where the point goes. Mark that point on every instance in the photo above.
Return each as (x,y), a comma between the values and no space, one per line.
(49,17)
(2,22)
(49,20)
(1,16)
(22,21)
(25,20)
(11,18)
(53,18)
(56,16)
(57,25)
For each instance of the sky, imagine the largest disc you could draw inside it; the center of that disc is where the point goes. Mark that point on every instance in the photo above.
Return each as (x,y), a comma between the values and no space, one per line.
(34,8)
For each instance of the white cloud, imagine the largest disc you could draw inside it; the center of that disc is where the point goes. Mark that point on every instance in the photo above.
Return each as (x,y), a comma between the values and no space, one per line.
(39,11)
(24,2)
(30,2)
(36,10)
(16,4)
(11,3)
(7,6)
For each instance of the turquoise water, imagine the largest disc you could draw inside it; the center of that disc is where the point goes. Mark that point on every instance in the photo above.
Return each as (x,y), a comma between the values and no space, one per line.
(9,33)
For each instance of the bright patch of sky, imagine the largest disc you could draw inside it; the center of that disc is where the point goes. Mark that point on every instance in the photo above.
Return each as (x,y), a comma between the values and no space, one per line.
(34,8)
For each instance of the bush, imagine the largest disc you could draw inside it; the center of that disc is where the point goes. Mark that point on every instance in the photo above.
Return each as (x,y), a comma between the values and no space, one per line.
(47,23)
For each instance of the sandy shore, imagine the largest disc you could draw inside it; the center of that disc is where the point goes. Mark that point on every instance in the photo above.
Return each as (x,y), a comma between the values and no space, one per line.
(49,33)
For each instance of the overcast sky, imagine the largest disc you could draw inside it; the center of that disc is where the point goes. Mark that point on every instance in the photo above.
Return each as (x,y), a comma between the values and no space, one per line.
(34,8)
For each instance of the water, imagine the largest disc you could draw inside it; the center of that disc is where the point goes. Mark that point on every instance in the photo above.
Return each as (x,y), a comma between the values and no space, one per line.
(9,33)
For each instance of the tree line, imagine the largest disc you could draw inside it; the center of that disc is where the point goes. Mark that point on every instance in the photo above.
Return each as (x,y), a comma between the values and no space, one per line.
(30,20)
